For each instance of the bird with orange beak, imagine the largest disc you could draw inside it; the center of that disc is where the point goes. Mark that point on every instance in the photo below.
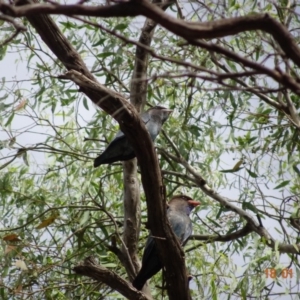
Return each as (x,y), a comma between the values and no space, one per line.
(179,209)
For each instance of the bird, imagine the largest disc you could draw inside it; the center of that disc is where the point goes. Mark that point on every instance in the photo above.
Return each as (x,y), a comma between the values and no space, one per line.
(120,149)
(178,211)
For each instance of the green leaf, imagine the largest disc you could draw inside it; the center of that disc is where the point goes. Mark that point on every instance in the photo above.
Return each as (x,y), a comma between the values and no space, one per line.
(109,265)
(85,104)
(295,168)
(105,54)
(249,205)
(25,159)
(8,122)
(213,221)
(252,174)
(282,184)
(213,290)
(3,97)
(99,43)
(85,217)
(3,49)
(231,170)
(120,26)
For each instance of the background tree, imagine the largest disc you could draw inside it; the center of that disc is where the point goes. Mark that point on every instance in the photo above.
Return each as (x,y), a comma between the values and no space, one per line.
(230,71)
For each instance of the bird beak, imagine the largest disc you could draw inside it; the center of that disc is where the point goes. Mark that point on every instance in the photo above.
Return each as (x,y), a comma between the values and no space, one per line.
(194,203)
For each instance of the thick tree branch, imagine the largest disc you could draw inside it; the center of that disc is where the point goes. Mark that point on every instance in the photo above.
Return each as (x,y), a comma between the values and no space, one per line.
(138,91)
(93,270)
(187,30)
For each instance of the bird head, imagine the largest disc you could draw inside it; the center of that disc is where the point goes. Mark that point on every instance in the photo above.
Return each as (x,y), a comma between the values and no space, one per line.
(160,111)
(183,202)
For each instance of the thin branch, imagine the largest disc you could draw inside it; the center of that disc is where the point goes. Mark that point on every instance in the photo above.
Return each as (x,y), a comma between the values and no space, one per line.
(11,20)
(223,238)
(277,75)
(10,38)
(293,116)
(268,100)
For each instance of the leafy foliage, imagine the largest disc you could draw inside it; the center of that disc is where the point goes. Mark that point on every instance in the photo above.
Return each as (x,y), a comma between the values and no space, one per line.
(57,209)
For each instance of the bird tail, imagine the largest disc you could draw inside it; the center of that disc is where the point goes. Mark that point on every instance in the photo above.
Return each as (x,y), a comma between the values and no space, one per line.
(98,161)
(139,281)
(103,159)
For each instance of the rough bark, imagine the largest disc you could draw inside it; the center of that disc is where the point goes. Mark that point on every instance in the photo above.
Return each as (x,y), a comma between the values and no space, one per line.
(132,213)
(138,97)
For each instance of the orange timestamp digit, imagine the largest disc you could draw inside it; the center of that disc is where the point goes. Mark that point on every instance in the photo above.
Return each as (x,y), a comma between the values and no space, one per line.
(285,273)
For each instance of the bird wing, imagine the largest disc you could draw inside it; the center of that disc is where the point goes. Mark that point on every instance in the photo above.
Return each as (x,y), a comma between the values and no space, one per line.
(188,232)
(119,145)
(181,225)
(145,117)
(118,149)
(149,249)
(153,125)
(150,264)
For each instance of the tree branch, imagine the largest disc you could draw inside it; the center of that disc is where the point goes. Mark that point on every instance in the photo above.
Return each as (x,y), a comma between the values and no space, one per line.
(91,269)
(277,75)
(138,91)
(223,238)
(187,30)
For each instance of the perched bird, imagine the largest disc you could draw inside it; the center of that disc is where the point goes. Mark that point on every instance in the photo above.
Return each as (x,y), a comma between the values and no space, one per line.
(179,208)
(121,149)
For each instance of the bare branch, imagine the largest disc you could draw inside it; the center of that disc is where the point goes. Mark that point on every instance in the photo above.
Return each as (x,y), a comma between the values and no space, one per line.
(223,238)
(277,75)
(91,269)
(187,30)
